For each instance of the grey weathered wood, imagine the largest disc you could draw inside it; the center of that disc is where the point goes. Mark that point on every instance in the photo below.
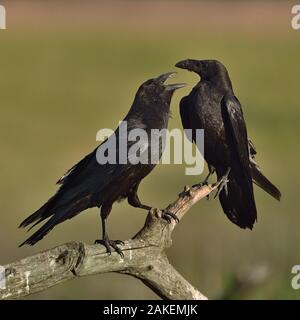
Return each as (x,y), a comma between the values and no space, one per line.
(144,258)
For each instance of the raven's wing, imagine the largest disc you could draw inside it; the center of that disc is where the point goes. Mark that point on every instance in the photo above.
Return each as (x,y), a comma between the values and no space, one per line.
(184,113)
(239,203)
(89,176)
(184,109)
(77,168)
(234,121)
(66,181)
(79,184)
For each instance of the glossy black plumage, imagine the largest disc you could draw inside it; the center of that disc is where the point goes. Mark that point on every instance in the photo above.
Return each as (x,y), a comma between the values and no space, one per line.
(89,184)
(212,106)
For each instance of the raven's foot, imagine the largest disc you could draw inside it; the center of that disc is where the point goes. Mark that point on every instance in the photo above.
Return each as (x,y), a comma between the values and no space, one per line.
(108,244)
(205,182)
(222,184)
(168,216)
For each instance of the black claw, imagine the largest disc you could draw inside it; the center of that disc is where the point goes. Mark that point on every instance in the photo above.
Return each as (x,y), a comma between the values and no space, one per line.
(108,244)
(222,184)
(117,249)
(168,216)
(105,244)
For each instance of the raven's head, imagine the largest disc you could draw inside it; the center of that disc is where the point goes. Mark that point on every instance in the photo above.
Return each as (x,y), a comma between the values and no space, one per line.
(206,69)
(155,91)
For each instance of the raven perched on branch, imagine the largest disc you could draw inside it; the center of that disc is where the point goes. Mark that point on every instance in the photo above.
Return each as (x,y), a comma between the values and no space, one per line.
(90,184)
(212,106)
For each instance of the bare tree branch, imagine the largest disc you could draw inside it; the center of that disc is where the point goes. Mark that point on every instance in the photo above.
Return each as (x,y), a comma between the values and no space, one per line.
(144,258)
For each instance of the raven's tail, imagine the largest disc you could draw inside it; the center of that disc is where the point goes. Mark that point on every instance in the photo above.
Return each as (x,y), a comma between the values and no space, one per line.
(58,213)
(239,204)
(40,233)
(260,180)
(41,214)
(46,211)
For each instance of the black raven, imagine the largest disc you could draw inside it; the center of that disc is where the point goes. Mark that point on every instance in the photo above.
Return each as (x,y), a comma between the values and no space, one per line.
(90,184)
(212,106)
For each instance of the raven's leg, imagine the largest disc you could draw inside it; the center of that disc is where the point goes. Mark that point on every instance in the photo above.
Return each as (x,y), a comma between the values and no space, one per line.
(222,183)
(133,200)
(211,170)
(105,210)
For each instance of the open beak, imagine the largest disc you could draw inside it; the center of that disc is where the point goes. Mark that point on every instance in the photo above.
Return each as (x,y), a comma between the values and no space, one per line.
(164,77)
(175,86)
(169,87)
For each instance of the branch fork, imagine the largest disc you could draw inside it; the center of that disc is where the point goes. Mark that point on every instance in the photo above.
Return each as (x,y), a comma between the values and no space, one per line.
(144,258)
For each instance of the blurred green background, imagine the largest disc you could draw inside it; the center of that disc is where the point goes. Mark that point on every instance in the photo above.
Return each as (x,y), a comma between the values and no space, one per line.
(70,68)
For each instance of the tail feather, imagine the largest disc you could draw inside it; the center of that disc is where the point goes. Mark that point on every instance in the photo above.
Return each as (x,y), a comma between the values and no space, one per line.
(59,214)
(40,233)
(41,214)
(239,204)
(260,180)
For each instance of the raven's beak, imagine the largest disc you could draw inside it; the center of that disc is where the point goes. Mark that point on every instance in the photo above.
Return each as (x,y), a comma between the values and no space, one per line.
(164,77)
(169,87)
(184,64)
(175,86)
